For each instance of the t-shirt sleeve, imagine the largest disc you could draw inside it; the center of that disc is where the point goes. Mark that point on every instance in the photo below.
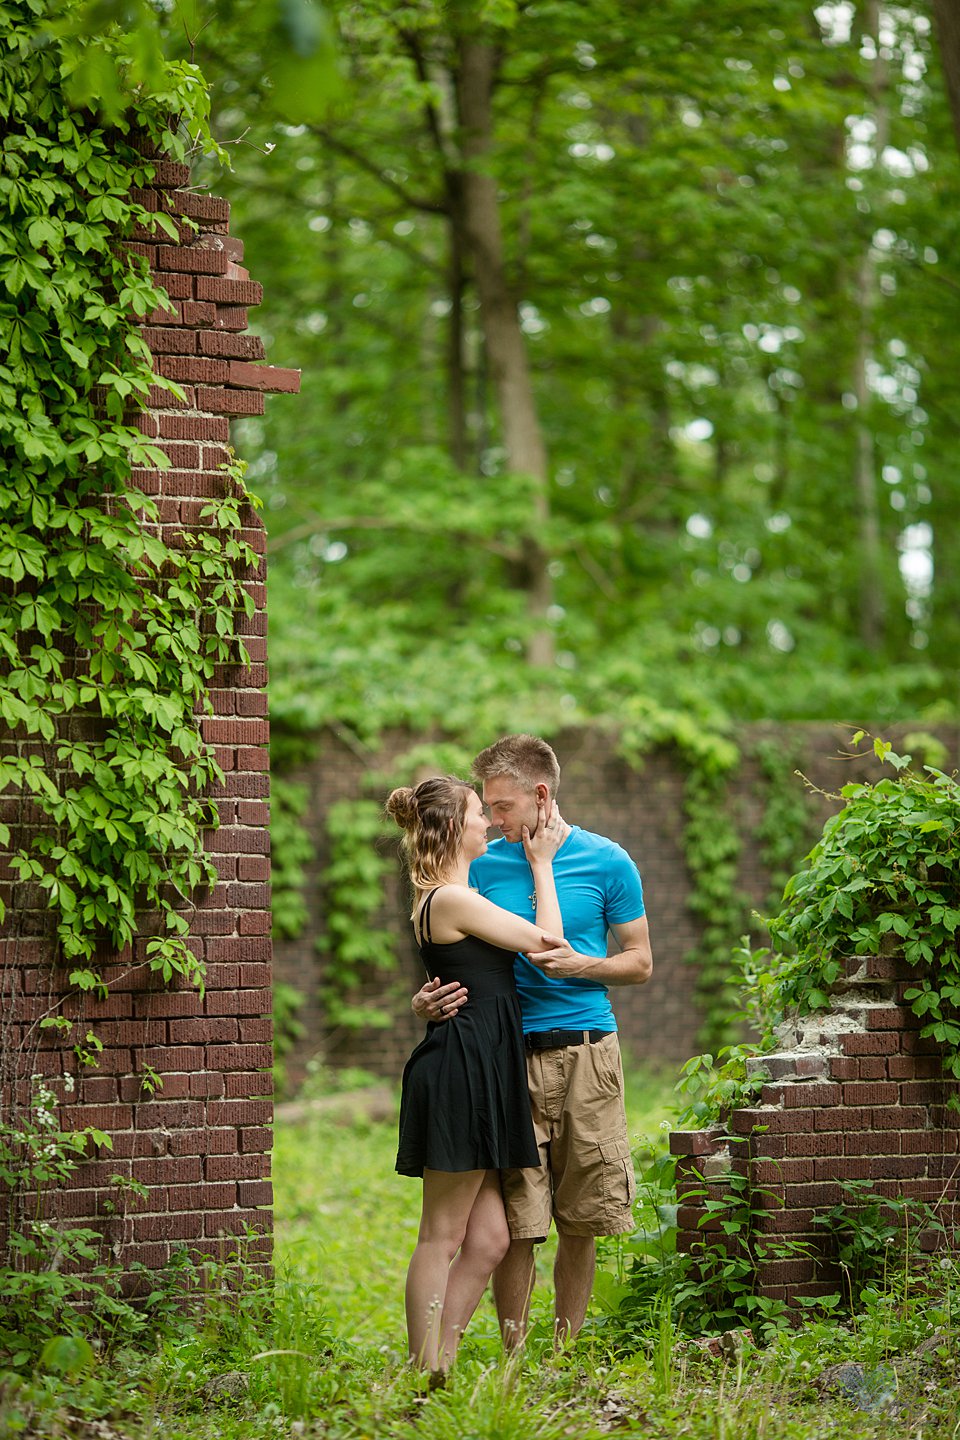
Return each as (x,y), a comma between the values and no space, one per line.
(624,889)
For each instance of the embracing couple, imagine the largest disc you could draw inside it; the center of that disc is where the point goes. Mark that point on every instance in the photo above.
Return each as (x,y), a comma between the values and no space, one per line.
(512,1107)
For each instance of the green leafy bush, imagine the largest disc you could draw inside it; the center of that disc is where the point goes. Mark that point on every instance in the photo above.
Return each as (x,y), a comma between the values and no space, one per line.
(875,1237)
(883,878)
(57,1283)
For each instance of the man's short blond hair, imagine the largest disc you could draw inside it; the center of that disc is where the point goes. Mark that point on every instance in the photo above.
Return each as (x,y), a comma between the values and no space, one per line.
(526,759)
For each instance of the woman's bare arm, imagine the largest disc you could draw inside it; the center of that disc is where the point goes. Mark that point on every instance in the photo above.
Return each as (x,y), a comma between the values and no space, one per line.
(458,911)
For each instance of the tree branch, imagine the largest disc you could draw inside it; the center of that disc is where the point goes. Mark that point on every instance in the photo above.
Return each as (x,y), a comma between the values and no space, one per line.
(413,49)
(319,525)
(595,573)
(430,207)
(290,199)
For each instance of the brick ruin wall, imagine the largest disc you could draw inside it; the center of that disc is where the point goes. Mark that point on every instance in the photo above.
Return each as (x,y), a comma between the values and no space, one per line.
(855,1094)
(201,1143)
(641,809)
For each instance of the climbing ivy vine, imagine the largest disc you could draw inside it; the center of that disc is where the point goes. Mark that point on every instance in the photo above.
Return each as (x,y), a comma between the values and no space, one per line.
(110,626)
(291,850)
(712,846)
(880,880)
(788,824)
(355,944)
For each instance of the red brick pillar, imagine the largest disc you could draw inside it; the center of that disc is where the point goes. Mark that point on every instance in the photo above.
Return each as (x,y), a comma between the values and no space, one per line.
(200,1143)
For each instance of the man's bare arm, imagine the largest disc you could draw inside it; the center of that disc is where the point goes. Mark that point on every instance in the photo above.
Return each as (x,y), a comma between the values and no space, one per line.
(633,965)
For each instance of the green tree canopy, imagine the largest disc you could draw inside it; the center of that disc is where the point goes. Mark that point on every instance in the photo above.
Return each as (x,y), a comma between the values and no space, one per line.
(629,340)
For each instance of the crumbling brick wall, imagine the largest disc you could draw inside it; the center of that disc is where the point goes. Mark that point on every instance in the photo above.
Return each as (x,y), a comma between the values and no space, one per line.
(201,1143)
(855,1093)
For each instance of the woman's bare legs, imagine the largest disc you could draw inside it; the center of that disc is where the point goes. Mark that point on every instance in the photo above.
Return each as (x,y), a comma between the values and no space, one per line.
(484,1246)
(448,1199)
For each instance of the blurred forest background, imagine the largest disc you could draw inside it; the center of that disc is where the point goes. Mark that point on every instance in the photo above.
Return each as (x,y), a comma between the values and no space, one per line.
(631,340)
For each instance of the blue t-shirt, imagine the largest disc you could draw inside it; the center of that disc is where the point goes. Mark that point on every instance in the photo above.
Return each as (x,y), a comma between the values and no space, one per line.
(598,885)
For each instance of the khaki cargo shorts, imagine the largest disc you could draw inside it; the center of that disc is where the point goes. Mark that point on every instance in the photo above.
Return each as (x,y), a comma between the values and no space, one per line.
(585,1181)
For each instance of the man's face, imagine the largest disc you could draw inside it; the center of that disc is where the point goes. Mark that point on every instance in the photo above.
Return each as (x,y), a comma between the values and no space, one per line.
(510,807)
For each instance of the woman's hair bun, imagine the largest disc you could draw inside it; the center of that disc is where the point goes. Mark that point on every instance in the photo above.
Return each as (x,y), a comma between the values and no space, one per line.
(402,806)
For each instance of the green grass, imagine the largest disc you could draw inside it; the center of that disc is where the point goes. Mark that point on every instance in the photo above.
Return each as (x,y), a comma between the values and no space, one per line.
(324,1355)
(347,1221)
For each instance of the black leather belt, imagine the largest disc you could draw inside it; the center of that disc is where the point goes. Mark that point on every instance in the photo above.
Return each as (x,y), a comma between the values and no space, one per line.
(557,1039)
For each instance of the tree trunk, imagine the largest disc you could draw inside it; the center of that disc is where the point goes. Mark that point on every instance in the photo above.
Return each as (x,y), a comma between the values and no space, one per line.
(946,15)
(504,340)
(864,469)
(456,359)
(872,616)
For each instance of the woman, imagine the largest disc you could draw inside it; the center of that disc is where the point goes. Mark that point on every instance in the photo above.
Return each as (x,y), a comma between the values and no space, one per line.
(464,1111)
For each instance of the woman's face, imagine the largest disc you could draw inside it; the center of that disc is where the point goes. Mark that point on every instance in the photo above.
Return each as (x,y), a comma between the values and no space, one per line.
(474,827)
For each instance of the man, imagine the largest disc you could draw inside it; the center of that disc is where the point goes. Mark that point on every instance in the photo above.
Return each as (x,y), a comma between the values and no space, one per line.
(585,1180)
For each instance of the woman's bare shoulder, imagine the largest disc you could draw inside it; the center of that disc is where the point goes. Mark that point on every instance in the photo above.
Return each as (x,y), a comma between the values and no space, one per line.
(450,897)
(455,905)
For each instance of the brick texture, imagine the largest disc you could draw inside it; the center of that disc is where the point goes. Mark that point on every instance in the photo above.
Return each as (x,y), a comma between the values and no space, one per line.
(199,1143)
(806,1137)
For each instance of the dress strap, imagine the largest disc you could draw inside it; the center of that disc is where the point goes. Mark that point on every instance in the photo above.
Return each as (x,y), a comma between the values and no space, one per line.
(425,936)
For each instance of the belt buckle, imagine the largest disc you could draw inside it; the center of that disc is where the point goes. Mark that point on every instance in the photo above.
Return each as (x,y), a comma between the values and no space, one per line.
(543,1040)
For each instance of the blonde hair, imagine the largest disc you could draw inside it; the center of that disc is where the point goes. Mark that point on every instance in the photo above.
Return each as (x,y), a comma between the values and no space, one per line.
(431,818)
(526,759)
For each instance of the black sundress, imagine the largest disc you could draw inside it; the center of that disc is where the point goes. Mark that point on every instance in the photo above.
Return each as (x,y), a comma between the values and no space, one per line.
(464,1103)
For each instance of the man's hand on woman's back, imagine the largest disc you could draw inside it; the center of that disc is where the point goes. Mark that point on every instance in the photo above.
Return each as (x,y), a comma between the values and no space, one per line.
(436,1002)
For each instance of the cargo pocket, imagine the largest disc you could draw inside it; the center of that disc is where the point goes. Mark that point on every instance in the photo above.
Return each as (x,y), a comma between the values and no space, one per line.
(607,1067)
(619,1186)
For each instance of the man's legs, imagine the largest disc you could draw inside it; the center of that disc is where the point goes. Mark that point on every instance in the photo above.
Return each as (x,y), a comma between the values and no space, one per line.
(585,1182)
(573,1273)
(578,1090)
(512,1288)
